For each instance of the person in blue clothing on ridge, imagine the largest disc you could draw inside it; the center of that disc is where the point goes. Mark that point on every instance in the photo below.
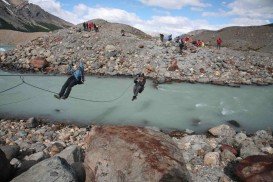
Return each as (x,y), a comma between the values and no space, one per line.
(76,78)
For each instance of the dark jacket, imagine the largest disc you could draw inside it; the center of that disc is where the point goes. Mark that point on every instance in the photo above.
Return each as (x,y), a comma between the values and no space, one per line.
(141,83)
(79,73)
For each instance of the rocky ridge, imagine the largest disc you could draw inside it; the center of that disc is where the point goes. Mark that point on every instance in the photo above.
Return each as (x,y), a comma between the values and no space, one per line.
(27,17)
(31,149)
(108,53)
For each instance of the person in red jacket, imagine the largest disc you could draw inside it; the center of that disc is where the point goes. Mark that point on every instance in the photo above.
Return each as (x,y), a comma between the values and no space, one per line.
(219,42)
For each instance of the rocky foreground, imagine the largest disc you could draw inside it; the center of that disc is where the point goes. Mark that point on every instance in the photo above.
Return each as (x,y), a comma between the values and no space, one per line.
(31,150)
(108,53)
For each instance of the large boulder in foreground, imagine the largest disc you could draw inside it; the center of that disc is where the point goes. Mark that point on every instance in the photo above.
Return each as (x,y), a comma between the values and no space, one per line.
(129,153)
(52,169)
(256,168)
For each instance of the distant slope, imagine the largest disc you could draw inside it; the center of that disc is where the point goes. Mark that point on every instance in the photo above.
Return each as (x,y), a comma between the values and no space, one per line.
(258,38)
(23,16)
(15,37)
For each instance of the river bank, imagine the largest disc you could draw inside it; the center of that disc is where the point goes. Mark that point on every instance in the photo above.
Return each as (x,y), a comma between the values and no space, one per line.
(108,53)
(207,157)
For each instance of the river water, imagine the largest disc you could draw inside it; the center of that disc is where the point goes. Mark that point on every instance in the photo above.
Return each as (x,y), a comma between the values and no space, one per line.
(175,106)
(5,47)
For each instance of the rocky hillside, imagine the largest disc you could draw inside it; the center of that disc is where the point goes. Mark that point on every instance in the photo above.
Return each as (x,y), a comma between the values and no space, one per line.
(108,53)
(23,16)
(257,38)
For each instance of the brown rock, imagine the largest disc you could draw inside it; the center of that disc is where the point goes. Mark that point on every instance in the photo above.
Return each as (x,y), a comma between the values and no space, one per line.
(141,46)
(129,153)
(56,148)
(149,69)
(202,70)
(38,63)
(256,168)
(173,66)
(230,148)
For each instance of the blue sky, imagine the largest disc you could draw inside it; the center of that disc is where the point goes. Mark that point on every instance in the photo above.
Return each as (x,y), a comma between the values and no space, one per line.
(165,16)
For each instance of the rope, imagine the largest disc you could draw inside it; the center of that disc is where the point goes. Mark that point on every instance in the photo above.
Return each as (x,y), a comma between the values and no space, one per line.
(29,75)
(11,87)
(77,98)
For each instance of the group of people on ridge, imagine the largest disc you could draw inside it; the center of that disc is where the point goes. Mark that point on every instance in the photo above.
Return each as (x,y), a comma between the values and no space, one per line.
(89,26)
(77,77)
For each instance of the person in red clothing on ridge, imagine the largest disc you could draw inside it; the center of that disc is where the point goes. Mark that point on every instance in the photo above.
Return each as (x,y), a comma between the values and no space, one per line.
(219,42)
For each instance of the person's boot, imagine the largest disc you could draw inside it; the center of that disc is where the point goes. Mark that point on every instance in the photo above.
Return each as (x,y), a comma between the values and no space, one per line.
(134,97)
(63,97)
(57,96)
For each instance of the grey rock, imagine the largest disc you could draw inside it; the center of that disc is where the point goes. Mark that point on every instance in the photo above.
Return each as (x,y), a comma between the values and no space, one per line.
(38,146)
(11,151)
(15,163)
(222,130)
(249,148)
(240,137)
(32,123)
(227,156)
(72,154)
(53,169)
(37,157)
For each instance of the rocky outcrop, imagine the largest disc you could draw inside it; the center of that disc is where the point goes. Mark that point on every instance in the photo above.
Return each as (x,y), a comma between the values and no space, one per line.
(53,169)
(27,17)
(129,153)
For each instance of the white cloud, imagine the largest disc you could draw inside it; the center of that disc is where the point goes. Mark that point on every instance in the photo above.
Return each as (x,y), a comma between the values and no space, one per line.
(175,25)
(54,7)
(248,21)
(247,12)
(174,4)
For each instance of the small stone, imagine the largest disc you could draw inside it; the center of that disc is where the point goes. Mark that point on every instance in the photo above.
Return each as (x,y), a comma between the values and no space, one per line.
(36,157)
(227,156)
(56,148)
(222,130)
(211,159)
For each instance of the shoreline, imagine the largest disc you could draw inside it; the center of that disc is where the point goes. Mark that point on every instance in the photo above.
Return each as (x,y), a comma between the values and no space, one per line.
(122,76)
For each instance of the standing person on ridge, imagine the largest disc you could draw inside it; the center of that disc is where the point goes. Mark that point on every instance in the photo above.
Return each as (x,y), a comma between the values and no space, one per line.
(76,78)
(139,81)
(219,42)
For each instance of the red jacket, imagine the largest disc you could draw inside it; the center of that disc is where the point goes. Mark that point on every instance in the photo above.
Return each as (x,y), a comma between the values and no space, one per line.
(219,41)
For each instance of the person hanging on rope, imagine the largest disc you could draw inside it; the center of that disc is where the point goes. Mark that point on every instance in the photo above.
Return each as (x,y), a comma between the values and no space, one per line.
(76,78)
(139,81)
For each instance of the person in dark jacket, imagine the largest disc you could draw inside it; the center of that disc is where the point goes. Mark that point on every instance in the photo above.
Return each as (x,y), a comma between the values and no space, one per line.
(84,26)
(76,78)
(139,81)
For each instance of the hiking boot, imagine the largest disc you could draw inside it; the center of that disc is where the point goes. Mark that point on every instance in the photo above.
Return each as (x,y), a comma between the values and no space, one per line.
(57,96)
(134,97)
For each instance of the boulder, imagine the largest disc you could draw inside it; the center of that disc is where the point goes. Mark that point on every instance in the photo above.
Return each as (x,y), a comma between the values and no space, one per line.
(129,153)
(10,151)
(52,169)
(72,154)
(255,168)
(32,123)
(5,167)
(39,63)
(212,159)
(223,131)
